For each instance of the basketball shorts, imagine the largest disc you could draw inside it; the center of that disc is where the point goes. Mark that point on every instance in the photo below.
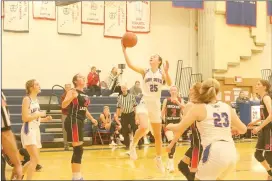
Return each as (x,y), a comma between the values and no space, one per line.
(74,129)
(218,160)
(264,139)
(150,107)
(31,135)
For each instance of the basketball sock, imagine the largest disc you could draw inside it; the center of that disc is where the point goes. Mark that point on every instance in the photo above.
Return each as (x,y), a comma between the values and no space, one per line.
(76,175)
(184,169)
(269,172)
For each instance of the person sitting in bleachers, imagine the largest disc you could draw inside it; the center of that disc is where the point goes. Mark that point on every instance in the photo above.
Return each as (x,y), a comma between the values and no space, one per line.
(93,83)
(105,122)
(136,89)
(113,82)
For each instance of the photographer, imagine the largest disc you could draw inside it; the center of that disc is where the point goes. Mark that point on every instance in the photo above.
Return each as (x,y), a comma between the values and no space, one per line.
(93,83)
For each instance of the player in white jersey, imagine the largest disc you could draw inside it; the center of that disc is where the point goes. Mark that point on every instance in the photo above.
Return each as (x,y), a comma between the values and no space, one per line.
(30,132)
(150,105)
(215,121)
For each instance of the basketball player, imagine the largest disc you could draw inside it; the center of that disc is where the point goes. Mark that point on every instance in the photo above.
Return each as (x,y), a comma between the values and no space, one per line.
(30,132)
(263,153)
(214,121)
(150,105)
(192,155)
(78,102)
(171,113)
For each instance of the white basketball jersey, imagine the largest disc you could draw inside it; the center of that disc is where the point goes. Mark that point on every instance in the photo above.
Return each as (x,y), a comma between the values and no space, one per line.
(34,107)
(217,125)
(152,84)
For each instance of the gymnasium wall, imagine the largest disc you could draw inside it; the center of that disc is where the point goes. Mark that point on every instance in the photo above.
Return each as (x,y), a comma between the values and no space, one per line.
(51,58)
(242,51)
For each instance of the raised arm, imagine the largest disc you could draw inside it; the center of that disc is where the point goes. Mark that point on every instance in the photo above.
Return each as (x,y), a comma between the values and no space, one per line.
(166,76)
(130,65)
(72,94)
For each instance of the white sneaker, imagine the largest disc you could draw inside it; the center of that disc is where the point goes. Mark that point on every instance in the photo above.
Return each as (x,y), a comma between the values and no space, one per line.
(121,137)
(170,165)
(133,153)
(146,141)
(118,142)
(113,143)
(159,164)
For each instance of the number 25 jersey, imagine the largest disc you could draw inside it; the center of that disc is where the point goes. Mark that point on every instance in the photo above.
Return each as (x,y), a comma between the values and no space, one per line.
(152,84)
(217,125)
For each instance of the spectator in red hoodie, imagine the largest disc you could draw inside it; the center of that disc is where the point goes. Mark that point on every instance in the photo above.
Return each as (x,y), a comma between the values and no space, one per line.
(94,83)
(64,115)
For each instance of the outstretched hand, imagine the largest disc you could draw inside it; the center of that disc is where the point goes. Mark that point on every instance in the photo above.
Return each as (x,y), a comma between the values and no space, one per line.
(166,66)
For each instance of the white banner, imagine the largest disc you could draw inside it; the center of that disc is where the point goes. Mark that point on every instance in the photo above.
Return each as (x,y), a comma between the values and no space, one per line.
(138,16)
(255,113)
(16,16)
(69,19)
(44,10)
(93,12)
(2,9)
(115,18)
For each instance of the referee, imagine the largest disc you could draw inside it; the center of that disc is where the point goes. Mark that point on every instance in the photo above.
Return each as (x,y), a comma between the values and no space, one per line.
(126,104)
(8,143)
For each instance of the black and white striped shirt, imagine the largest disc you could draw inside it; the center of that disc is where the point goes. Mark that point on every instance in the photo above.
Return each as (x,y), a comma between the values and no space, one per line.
(5,125)
(126,103)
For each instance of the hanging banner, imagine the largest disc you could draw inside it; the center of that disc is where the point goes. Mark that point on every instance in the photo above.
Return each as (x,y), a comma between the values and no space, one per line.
(193,4)
(115,19)
(69,19)
(138,16)
(16,16)
(269,7)
(44,10)
(93,12)
(241,13)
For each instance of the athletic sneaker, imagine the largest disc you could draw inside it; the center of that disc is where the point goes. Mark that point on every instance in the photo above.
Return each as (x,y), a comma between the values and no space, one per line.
(38,168)
(133,153)
(121,137)
(113,143)
(78,179)
(170,165)
(159,164)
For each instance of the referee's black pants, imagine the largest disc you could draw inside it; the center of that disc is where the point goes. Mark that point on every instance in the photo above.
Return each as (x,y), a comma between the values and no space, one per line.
(128,119)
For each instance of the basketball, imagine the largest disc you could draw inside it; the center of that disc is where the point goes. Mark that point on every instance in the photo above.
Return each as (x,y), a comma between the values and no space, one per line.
(129,39)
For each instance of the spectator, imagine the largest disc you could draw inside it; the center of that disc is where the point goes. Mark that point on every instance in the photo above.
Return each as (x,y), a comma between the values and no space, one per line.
(93,83)
(136,89)
(126,104)
(64,115)
(113,82)
(105,122)
(9,146)
(241,99)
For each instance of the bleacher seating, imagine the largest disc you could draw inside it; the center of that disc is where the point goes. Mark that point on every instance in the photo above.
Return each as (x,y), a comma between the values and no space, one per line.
(51,132)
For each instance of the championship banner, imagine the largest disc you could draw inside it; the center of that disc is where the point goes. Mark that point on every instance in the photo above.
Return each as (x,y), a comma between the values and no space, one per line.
(93,12)
(138,16)
(16,16)
(115,19)
(269,7)
(69,19)
(241,13)
(193,4)
(44,10)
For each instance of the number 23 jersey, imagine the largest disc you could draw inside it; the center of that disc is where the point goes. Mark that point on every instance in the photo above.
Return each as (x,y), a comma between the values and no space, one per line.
(217,125)
(152,84)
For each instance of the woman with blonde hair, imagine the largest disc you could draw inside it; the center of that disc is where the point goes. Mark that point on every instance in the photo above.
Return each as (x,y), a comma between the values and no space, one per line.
(214,122)
(32,116)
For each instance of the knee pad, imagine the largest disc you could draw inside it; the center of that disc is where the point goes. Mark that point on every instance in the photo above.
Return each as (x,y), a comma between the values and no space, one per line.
(259,155)
(77,155)
(173,150)
(268,157)
(182,166)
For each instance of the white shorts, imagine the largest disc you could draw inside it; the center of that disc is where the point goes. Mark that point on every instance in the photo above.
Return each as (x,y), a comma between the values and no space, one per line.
(218,160)
(152,108)
(31,135)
